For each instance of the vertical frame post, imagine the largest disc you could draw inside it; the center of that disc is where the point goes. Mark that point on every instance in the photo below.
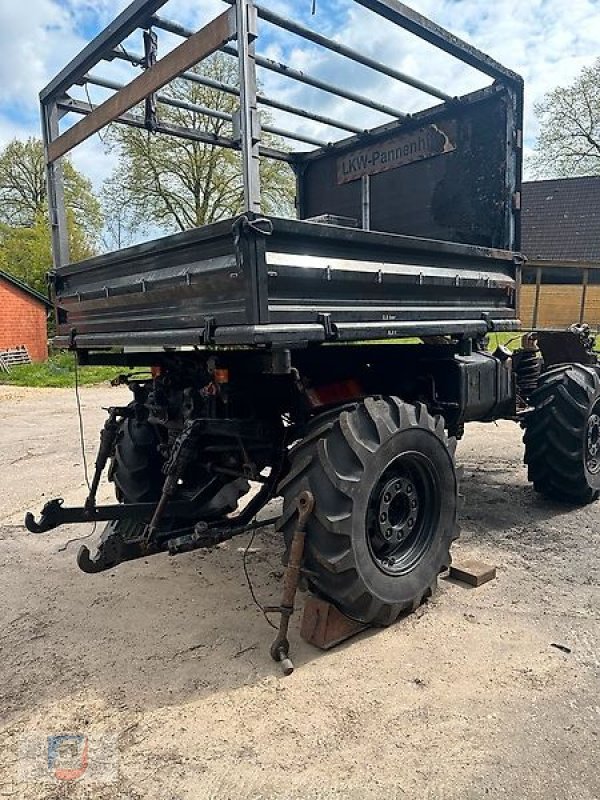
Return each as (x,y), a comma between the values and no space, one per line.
(365,193)
(248,118)
(56,187)
(536,304)
(584,291)
(518,287)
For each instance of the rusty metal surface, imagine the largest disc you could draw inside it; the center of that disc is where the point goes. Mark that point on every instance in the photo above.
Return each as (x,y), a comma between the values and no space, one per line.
(454,186)
(404,148)
(280,649)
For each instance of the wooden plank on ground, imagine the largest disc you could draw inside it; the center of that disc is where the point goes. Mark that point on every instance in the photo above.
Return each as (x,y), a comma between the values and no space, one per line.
(473,572)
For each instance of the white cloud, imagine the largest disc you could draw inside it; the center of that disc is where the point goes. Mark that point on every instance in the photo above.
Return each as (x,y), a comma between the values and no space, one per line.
(29,43)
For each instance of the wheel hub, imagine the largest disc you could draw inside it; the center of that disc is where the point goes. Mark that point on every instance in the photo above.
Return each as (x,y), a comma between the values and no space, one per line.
(593,444)
(398,509)
(403,513)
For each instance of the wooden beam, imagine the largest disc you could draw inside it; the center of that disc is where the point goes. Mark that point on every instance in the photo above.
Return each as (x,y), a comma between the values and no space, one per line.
(135,16)
(72,106)
(201,45)
(535,263)
(584,290)
(536,303)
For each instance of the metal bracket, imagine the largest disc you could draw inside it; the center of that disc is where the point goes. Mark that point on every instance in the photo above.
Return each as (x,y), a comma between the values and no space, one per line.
(280,649)
(329,326)
(210,326)
(150,59)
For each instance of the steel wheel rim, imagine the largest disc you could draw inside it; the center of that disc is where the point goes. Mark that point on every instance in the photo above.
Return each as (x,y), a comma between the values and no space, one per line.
(403,512)
(592,441)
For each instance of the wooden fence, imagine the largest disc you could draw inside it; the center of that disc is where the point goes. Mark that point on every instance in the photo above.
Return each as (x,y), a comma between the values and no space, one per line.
(555,296)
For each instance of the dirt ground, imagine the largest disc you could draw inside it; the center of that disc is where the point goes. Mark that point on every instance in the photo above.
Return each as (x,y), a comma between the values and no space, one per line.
(465,698)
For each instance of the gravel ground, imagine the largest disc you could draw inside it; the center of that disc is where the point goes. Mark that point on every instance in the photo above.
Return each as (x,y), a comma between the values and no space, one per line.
(466,698)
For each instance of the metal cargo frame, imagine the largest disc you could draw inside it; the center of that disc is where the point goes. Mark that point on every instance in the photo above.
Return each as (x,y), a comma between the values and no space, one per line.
(244,281)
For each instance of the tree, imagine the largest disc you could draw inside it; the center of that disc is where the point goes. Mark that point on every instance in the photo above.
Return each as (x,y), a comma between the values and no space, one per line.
(26,252)
(25,236)
(175,184)
(24,196)
(120,225)
(569,140)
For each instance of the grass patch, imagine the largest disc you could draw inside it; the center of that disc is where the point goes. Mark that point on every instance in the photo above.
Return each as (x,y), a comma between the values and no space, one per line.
(57,373)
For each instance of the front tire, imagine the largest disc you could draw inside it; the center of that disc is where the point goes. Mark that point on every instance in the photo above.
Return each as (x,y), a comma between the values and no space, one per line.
(386,495)
(136,468)
(562,435)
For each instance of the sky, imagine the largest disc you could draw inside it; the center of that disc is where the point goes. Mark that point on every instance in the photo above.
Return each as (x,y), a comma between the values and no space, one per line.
(546,41)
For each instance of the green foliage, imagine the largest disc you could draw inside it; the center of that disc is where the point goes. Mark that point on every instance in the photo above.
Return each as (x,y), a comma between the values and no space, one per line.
(24,196)
(175,184)
(57,373)
(26,252)
(569,140)
(25,235)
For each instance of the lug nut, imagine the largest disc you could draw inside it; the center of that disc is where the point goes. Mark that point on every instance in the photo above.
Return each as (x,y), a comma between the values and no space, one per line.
(387,497)
(411,522)
(383,516)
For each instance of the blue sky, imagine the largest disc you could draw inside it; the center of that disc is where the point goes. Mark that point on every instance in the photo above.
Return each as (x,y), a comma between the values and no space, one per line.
(547,41)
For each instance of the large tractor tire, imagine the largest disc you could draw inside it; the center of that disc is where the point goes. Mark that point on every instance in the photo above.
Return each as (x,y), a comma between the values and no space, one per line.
(562,435)
(386,494)
(136,465)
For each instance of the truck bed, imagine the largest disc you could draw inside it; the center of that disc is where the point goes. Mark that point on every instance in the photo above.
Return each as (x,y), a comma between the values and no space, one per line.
(267,281)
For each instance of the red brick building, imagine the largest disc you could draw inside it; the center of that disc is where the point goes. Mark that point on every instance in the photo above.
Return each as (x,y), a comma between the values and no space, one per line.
(23,318)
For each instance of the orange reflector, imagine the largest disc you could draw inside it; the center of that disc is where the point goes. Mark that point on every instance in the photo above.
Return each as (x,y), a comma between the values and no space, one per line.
(221,376)
(334,393)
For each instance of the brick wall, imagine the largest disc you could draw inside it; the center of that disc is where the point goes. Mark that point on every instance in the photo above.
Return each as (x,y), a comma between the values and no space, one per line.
(22,322)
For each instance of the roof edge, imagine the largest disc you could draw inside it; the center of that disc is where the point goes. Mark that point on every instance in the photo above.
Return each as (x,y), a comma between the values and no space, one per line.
(25,288)
(561,180)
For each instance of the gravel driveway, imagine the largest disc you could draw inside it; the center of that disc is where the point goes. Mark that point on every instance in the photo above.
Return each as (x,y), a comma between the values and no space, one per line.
(167,658)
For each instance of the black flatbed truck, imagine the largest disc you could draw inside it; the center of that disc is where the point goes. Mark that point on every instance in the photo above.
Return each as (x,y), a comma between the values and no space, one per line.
(261,337)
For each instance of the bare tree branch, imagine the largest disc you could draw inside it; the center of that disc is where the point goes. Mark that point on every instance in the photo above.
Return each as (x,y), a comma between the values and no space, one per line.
(569,139)
(174,184)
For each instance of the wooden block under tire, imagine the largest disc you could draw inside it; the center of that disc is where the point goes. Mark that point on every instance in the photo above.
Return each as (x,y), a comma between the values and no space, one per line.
(324,626)
(473,572)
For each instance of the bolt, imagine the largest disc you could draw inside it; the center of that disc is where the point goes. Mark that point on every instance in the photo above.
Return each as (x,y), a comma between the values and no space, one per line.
(387,497)
(411,522)
(383,516)
(388,533)
(413,504)
(409,489)
(398,486)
